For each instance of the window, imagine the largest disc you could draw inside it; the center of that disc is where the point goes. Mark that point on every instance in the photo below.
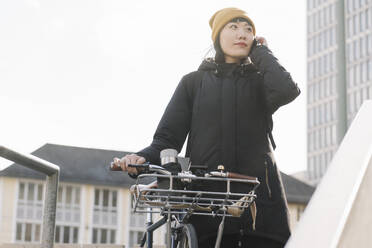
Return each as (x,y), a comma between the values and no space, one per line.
(370,42)
(313,23)
(350,103)
(310,71)
(361,21)
(105,215)
(357,75)
(356,50)
(311,117)
(349,6)
(350,72)
(326,35)
(319,18)
(364,67)
(332,60)
(334,135)
(68,214)
(333,84)
(369,68)
(322,164)
(135,238)
(66,234)
(29,212)
(326,62)
(362,47)
(321,120)
(358,100)
(355,24)
(351,51)
(137,228)
(332,13)
(319,139)
(329,136)
(361,68)
(353,103)
(326,86)
(332,110)
(325,19)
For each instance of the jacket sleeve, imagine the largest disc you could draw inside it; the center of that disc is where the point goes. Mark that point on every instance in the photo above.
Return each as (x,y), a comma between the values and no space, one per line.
(278,86)
(173,126)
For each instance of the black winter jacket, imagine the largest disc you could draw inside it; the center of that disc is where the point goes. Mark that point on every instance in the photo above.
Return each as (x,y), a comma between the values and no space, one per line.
(225,109)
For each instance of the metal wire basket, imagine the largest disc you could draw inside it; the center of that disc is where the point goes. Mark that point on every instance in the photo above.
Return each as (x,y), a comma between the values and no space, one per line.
(186,193)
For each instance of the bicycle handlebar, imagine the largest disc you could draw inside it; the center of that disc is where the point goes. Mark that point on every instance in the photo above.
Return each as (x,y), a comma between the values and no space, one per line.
(152,168)
(144,168)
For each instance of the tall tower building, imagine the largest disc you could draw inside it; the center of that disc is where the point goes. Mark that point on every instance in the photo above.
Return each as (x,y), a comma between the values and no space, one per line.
(322,119)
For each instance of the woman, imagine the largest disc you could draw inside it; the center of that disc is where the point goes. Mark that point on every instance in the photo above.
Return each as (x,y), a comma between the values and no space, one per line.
(225,108)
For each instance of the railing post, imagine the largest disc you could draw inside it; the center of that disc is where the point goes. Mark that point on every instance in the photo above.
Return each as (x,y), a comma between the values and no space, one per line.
(50,202)
(50,206)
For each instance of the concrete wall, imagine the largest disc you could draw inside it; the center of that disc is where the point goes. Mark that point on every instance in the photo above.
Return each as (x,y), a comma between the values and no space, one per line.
(338,214)
(358,226)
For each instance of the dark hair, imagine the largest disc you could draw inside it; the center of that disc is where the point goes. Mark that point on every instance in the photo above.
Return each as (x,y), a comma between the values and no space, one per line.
(219,58)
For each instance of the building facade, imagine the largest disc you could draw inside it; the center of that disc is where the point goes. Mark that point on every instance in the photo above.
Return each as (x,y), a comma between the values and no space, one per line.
(93,203)
(321,75)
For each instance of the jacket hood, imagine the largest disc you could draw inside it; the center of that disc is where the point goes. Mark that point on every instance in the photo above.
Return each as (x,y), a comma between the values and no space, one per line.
(209,64)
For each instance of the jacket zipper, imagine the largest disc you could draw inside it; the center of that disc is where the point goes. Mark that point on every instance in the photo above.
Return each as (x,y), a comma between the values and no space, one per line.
(267,179)
(236,122)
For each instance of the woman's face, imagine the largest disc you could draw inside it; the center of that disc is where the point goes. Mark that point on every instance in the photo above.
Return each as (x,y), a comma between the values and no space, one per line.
(236,39)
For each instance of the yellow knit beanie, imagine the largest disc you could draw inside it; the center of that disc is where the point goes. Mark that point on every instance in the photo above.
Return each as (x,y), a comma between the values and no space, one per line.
(223,16)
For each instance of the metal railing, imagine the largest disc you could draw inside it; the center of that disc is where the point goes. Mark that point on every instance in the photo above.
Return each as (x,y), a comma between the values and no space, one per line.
(50,202)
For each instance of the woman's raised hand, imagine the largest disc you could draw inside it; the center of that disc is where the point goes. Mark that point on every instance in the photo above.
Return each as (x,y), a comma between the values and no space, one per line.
(261,40)
(129,159)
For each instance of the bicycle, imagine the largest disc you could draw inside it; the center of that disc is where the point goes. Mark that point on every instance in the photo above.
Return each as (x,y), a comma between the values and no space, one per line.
(175,197)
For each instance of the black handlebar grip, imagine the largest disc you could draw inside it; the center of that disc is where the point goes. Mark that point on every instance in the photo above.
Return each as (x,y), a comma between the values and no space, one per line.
(144,165)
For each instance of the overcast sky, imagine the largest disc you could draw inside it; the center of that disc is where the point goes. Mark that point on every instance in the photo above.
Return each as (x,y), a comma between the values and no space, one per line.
(99,74)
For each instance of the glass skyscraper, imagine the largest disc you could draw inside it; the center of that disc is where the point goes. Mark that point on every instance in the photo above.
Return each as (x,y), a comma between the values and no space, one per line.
(321,75)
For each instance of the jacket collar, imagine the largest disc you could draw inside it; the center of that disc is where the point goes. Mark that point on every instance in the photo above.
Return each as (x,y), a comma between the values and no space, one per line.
(209,64)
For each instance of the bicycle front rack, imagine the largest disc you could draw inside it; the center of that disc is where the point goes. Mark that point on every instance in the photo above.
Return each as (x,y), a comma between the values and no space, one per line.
(178,194)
